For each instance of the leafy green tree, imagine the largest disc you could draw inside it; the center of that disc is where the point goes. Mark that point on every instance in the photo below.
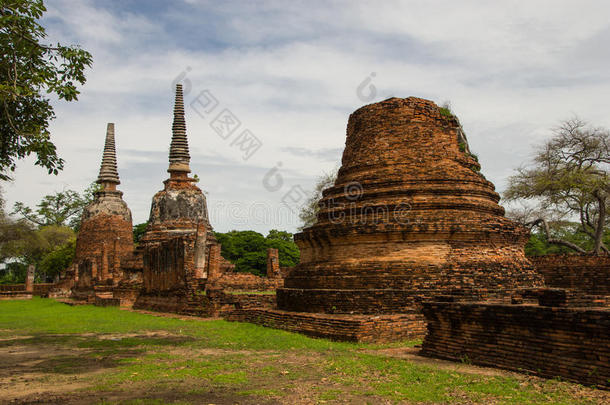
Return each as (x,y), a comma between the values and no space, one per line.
(30,69)
(15,236)
(138,231)
(28,245)
(568,178)
(21,243)
(14,273)
(248,249)
(33,245)
(288,251)
(57,260)
(63,208)
(281,235)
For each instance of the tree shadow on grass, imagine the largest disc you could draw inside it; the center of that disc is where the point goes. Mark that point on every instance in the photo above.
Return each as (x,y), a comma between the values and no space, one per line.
(75,354)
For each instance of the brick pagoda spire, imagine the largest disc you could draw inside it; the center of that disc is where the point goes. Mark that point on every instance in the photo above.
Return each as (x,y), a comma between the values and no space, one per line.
(178,217)
(179,157)
(108,177)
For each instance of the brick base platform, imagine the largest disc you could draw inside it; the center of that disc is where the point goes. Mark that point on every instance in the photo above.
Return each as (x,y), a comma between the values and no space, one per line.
(571,343)
(352,328)
(15,295)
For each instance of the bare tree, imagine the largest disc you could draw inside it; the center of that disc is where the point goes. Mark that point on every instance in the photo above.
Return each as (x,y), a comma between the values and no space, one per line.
(569,176)
(309,211)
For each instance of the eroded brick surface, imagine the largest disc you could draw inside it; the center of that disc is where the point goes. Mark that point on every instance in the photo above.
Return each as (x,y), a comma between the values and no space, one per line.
(587,274)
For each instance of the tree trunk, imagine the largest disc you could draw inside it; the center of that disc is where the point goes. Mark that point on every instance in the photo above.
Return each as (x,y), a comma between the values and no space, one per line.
(601,220)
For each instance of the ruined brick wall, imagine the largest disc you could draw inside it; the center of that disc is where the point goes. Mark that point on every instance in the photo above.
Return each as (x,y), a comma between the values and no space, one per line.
(166,265)
(560,297)
(215,260)
(221,277)
(87,273)
(222,303)
(39,289)
(226,266)
(386,301)
(245,282)
(170,282)
(409,210)
(285,271)
(588,274)
(132,267)
(29,279)
(15,295)
(548,341)
(12,287)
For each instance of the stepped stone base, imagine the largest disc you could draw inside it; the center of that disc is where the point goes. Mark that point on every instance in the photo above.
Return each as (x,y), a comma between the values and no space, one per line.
(378,301)
(341,327)
(15,295)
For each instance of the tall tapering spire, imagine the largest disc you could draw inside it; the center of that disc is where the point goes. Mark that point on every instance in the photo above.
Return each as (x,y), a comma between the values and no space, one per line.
(179,157)
(108,170)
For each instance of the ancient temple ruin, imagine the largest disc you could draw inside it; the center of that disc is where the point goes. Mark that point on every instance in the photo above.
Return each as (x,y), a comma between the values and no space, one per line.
(183,270)
(105,236)
(409,218)
(179,247)
(409,241)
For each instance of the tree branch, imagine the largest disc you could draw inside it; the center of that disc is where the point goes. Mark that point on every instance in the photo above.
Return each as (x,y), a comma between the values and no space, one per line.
(553,240)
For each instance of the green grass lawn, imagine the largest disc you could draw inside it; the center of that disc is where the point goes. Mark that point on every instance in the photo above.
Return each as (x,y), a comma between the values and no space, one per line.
(106,355)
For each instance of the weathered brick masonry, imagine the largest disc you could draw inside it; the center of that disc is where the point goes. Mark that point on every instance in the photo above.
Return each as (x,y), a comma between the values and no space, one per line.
(571,343)
(171,278)
(223,303)
(351,328)
(105,237)
(588,274)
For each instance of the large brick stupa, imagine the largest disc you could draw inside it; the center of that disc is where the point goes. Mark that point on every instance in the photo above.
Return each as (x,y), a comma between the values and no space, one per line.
(409,217)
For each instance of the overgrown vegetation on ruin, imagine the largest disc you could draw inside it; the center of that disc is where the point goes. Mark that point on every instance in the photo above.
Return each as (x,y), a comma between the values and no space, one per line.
(105,355)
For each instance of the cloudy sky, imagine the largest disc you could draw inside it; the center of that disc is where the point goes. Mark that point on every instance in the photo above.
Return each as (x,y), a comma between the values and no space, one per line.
(292,72)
